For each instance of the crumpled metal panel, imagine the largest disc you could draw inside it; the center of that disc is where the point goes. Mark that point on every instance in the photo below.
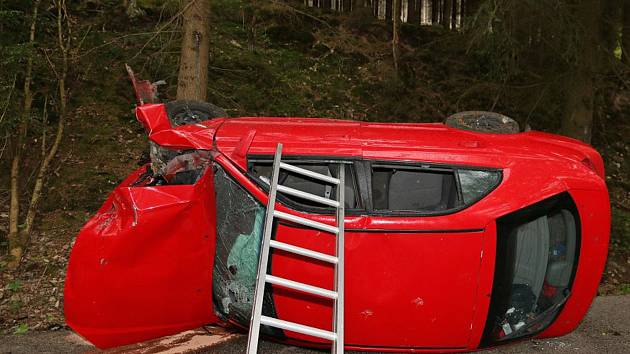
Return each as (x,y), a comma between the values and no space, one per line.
(141,268)
(185,137)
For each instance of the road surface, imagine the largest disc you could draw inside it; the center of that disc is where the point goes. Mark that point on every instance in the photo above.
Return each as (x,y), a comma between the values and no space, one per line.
(606,329)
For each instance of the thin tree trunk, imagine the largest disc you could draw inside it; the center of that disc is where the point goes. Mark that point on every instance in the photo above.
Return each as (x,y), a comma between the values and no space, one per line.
(396,5)
(577,121)
(454,14)
(413,11)
(16,248)
(192,81)
(346,5)
(251,31)
(446,14)
(61,80)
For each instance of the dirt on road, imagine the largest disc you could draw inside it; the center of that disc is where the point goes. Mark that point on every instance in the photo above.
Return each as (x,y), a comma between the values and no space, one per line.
(606,329)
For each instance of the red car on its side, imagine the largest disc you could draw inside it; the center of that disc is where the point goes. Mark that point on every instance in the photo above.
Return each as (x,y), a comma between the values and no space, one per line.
(454,239)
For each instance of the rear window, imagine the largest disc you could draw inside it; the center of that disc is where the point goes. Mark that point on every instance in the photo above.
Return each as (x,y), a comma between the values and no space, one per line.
(261,170)
(409,189)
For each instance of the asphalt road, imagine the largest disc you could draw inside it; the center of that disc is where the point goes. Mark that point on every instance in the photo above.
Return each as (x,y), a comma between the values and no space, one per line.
(606,329)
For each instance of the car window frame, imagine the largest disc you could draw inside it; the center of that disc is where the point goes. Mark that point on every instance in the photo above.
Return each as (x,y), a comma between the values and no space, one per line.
(299,160)
(362,178)
(427,166)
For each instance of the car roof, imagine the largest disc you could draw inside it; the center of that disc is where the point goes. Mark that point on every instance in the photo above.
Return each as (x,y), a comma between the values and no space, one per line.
(426,142)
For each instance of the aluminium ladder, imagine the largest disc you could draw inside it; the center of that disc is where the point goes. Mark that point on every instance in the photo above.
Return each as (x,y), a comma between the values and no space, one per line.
(336,295)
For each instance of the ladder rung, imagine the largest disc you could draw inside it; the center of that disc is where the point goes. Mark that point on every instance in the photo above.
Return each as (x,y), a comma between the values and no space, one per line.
(306,222)
(308,196)
(301,287)
(302,251)
(295,327)
(304,195)
(309,173)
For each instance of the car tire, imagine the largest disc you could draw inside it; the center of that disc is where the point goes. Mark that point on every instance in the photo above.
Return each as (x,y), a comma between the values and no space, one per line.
(483,122)
(183,112)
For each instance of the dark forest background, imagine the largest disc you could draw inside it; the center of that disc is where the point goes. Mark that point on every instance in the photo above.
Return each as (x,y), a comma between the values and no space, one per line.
(68,134)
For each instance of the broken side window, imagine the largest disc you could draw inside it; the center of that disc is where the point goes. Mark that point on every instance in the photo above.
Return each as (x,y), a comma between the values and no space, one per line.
(261,171)
(239,225)
(403,188)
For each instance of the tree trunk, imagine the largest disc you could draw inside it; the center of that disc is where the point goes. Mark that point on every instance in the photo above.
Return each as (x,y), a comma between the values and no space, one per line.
(251,30)
(396,5)
(192,81)
(413,12)
(16,246)
(577,121)
(625,33)
(454,14)
(446,13)
(435,12)
(63,45)
(346,6)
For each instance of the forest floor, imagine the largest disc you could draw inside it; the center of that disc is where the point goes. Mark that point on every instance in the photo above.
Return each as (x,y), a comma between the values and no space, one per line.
(291,73)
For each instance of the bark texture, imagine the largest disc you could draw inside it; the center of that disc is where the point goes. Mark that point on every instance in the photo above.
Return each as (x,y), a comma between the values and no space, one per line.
(192,81)
(577,121)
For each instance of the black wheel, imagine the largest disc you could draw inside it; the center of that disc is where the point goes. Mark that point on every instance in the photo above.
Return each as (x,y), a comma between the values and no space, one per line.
(484,122)
(191,112)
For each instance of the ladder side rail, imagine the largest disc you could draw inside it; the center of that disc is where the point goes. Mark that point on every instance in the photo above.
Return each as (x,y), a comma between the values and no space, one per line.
(338,314)
(259,290)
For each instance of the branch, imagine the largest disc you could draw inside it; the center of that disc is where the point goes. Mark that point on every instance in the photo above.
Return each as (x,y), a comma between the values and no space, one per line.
(163,27)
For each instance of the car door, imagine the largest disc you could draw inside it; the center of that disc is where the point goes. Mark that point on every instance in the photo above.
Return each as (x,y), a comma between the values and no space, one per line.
(413,271)
(412,262)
